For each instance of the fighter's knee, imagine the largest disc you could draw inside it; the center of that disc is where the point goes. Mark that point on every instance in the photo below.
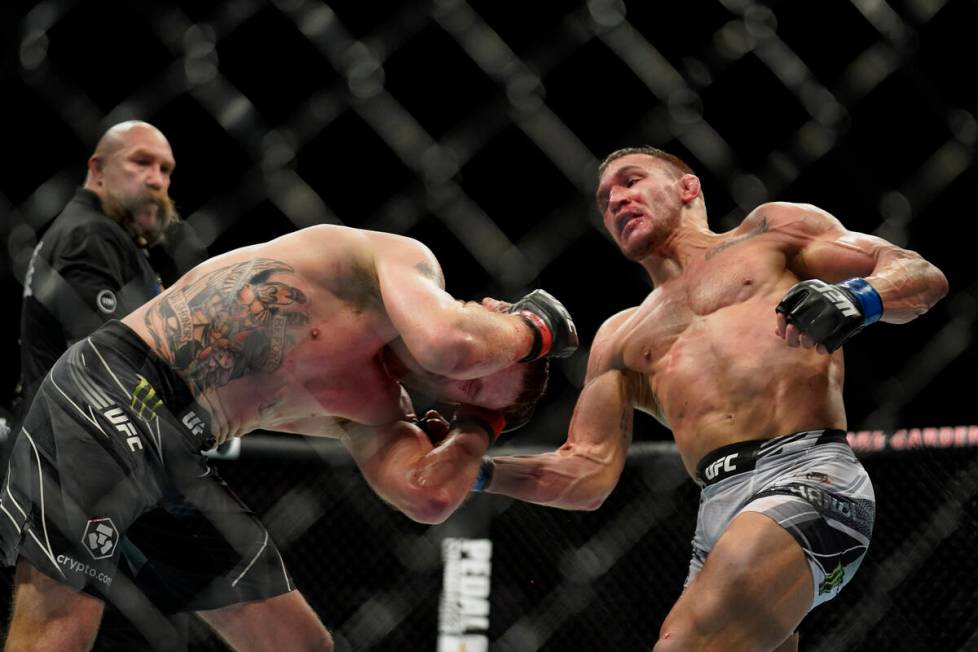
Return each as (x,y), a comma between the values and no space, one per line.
(319,640)
(679,635)
(327,645)
(48,615)
(301,639)
(668,643)
(790,644)
(688,635)
(64,634)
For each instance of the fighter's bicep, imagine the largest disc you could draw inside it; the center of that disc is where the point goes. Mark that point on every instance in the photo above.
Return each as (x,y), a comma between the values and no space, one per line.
(381,450)
(605,350)
(839,257)
(819,246)
(411,280)
(603,417)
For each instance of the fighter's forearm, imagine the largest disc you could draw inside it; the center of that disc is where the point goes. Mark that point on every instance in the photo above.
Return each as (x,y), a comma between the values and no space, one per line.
(430,483)
(448,470)
(477,344)
(480,341)
(907,284)
(485,342)
(566,481)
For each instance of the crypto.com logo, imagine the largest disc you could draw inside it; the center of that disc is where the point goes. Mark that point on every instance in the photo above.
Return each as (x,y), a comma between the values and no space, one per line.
(100,537)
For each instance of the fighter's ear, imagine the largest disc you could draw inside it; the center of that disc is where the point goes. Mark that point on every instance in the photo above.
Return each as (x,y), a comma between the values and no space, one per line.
(689,186)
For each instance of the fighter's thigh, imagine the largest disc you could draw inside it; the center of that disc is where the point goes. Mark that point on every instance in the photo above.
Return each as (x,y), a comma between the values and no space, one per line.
(753,591)
(284,622)
(49,615)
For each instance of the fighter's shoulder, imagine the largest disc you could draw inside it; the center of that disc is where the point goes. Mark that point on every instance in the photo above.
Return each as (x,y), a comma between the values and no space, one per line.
(606,346)
(791,217)
(399,245)
(613,324)
(341,241)
(325,235)
(398,252)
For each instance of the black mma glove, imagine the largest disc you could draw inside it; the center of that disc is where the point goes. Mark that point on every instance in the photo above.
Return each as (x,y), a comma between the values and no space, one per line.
(831,314)
(554,333)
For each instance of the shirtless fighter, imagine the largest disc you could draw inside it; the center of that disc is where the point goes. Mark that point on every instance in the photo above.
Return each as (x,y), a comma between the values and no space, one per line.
(311,333)
(737,351)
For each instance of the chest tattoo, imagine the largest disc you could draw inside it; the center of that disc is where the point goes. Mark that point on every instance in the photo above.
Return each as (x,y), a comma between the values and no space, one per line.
(753,233)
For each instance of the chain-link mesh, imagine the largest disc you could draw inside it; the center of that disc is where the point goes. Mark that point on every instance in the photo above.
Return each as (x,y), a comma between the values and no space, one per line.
(476,127)
(604,580)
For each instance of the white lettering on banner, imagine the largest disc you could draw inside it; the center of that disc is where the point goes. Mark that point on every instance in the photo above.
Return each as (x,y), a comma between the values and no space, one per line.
(462,643)
(29,279)
(867,441)
(463,618)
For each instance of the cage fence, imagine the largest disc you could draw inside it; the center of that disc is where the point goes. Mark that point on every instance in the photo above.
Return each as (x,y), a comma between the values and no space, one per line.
(601,580)
(476,127)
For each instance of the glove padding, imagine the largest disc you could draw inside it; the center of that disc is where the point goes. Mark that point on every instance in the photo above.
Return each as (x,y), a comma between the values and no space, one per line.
(491,421)
(554,333)
(831,314)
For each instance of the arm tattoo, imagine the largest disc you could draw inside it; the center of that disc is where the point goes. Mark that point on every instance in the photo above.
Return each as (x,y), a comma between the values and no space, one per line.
(229,323)
(756,231)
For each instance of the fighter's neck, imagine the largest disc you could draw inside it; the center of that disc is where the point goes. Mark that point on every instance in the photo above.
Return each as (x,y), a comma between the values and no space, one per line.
(685,246)
(393,363)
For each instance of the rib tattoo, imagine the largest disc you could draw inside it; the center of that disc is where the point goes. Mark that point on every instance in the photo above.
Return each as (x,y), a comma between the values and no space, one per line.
(230,323)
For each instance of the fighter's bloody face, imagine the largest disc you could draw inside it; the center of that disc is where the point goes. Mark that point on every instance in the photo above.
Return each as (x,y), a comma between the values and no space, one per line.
(639,203)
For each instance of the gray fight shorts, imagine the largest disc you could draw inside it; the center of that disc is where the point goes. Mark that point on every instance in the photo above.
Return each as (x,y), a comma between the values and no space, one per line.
(810,483)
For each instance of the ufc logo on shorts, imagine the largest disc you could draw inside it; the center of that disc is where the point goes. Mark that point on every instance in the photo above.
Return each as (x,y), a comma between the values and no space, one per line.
(118,418)
(722,464)
(193,423)
(838,300)
(100,537)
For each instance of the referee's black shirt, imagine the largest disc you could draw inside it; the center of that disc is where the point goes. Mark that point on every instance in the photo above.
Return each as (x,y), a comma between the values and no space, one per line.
(85,271)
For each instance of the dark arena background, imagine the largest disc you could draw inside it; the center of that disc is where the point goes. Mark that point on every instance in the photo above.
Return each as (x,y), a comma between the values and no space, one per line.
(476,127)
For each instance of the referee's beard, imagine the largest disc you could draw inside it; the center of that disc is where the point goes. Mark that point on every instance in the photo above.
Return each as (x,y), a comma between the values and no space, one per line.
(145,216)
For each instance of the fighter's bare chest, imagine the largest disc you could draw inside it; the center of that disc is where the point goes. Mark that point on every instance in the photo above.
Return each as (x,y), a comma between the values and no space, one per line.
(691,309)
(349,382)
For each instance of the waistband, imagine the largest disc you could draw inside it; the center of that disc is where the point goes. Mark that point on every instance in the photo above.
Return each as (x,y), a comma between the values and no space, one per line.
(116,340)
(742,456)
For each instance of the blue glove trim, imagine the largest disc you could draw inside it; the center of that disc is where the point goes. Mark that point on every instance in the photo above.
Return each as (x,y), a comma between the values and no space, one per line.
(869,299)
(485,475)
